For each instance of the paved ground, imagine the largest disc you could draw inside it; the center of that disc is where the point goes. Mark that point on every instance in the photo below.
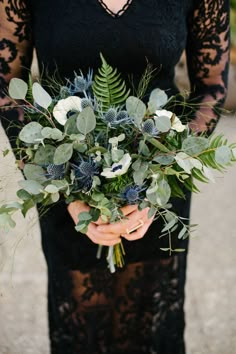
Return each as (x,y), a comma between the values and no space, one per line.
(211,286)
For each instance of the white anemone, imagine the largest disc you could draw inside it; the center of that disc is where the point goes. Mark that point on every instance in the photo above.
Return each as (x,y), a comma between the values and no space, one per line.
(176,124)
(72,103)
(118,168)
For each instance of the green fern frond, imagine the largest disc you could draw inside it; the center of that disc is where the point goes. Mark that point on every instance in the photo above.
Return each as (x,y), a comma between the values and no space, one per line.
(208,157)
(108,87)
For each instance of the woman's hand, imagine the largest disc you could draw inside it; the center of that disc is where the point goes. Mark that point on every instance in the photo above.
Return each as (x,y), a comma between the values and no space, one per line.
(132,228)
(107,238)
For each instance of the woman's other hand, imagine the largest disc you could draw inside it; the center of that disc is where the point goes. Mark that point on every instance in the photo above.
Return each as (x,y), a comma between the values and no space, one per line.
(107,238)
(132,228)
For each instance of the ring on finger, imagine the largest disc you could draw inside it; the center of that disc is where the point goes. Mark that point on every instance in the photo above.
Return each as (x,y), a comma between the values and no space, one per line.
(141,223)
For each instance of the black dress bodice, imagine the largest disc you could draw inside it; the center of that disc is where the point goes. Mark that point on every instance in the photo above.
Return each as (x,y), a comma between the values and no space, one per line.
(69,35)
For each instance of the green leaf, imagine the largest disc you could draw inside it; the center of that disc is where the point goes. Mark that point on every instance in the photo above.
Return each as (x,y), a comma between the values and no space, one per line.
(71,125)
(55,197)
(86,121)
(31,187)
(143,148)
(84,216)
(23,195)
(163,124)
(17,89)
(28,204)
(108,87)
(158,99)
(63,154)
(51,189)
(44,155)
(31,133)
(136,109)
(182,232)
(169,225)
(52,133)
(6,222)
(34,172)
(82,227)
(95,214)
(164,159)
(195,145)
(5,152)
(41,97)
(223,155)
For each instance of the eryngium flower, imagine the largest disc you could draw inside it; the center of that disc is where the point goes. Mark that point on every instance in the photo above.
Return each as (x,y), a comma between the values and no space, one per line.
(55,171)
(84,173)
(114,118)
(132,194)
(81,83)
(149,127)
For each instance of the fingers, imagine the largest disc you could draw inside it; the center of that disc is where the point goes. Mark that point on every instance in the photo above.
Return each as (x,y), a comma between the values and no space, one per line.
(123,226)
(101,238)
(140,232)
(126,210)
(75,208)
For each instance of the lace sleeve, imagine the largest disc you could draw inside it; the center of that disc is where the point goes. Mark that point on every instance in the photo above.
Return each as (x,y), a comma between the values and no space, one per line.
(208,60)
(15,54)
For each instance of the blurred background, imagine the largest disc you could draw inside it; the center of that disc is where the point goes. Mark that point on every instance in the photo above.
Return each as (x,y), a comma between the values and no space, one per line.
(211,286)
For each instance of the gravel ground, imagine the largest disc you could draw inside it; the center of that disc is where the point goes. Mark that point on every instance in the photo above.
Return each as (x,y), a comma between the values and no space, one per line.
(211,286)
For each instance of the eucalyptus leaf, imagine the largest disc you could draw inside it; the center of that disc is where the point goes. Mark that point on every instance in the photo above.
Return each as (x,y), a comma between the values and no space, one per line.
(17,89)
(157,100)
(32,187)
(195,145)
(51,189)
(84,216)
(44,155)
(34,172)
(86,121)
(136,109)
(116,155)
(31,133)
(6,222)
(223,155)
(163,124)
(41,97)
(55,197)
(63,154)
(164,159)
(183,160)
(71,125)
(163,192)
(143,148)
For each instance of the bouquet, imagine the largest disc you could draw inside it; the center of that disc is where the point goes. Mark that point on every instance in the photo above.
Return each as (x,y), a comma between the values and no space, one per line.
(90,139)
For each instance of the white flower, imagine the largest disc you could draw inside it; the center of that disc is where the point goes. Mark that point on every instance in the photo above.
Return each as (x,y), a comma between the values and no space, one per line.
(176,124)
(72,103)
(118,168)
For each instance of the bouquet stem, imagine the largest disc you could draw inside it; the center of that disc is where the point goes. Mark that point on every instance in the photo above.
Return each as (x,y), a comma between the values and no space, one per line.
(114,256)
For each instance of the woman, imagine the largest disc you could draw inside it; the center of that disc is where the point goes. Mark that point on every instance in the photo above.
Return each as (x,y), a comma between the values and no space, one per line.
(139,309)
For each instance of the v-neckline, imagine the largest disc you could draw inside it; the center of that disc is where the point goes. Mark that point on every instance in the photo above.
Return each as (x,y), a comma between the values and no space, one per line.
(117,14)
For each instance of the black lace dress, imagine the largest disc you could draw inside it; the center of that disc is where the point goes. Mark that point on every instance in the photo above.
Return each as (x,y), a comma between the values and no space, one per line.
(139,309)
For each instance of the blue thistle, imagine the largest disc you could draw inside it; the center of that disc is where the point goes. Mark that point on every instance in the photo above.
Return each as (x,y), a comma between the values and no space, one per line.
(114,118)
(110,115)
(84,173)
(81,83)
(55,171)
(131,194)
(85,102)
(149,127)
(64,92)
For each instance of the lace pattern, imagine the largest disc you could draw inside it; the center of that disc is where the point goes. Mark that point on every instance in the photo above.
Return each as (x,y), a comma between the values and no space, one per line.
(115,14)
(134,311)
